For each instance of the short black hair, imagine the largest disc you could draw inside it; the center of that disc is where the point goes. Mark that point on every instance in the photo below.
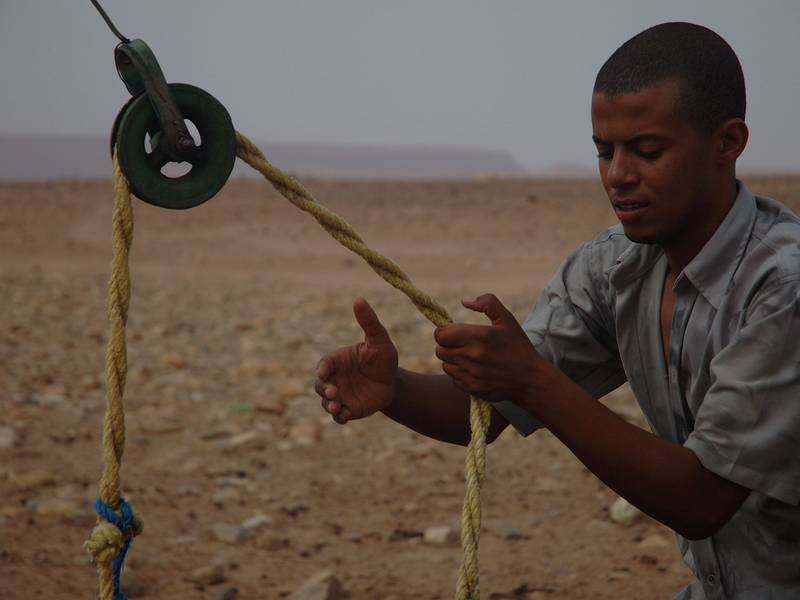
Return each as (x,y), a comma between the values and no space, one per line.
(705,65)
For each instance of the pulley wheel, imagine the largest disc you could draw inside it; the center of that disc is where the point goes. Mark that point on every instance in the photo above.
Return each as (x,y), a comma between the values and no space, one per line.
(211,161)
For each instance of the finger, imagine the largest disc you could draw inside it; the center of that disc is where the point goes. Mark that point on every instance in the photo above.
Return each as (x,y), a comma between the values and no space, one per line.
(325,390)
(489,305)
(454,371)
(333,406)
(459,356)
(456,335)
(375,333)
(326,367)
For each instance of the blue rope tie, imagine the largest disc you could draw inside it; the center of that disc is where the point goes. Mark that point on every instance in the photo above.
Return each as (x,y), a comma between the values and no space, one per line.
(125,524)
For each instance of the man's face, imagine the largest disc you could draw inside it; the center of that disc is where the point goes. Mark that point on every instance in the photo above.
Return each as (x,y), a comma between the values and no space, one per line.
(653,164)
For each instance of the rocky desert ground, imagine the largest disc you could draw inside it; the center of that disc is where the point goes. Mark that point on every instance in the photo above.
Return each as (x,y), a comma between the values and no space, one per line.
(246,488)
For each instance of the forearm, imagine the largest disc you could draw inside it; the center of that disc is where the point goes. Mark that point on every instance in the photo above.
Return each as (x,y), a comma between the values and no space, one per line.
(433,406)
(664,479)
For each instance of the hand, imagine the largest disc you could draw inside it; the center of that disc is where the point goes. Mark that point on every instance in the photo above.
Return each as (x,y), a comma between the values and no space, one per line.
(494,362)
(359,380)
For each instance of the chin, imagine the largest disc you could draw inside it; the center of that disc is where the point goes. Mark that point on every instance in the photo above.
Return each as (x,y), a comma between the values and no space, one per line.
(642,237)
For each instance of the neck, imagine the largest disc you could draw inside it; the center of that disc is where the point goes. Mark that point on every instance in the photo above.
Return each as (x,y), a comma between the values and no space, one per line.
(681,250)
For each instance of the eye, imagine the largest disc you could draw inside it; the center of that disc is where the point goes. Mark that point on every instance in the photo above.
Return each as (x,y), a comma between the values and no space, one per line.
(604,153)
(649,154)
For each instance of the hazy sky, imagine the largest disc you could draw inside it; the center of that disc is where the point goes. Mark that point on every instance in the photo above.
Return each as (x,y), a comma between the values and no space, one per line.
(509,75)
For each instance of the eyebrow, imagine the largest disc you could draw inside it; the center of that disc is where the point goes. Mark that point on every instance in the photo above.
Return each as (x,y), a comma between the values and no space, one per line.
(644,137)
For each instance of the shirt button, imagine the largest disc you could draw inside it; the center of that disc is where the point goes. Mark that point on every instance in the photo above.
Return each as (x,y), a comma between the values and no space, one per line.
(711,579)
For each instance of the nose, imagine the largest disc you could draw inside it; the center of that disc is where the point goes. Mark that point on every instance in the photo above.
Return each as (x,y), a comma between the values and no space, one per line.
(621,170)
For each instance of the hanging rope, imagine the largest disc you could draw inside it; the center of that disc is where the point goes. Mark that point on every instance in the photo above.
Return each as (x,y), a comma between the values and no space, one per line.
(110,540)
(116,523)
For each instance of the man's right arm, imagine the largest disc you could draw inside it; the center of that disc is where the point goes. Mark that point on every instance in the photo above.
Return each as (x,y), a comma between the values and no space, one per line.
(433,406)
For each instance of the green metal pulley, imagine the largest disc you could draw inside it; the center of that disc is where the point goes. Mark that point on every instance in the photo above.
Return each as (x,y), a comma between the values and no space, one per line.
(157,112)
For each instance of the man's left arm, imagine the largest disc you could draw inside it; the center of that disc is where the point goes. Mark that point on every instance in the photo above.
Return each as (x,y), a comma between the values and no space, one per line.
(665,480)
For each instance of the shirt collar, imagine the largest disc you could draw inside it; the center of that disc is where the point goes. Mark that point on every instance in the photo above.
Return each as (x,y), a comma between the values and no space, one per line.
(712,270)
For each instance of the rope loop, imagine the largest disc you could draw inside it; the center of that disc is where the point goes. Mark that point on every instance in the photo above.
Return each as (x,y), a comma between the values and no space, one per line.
(128,526)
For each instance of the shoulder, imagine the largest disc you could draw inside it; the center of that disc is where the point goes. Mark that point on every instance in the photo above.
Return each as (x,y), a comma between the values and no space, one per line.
(769,274)
(775,242)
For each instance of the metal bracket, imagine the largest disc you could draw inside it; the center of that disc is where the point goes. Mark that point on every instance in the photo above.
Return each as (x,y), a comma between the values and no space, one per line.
(139,70)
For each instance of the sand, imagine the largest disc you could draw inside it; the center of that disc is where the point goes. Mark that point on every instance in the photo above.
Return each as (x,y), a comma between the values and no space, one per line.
(233,304)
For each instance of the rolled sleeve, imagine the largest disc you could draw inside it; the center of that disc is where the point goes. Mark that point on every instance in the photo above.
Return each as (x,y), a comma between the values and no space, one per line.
(747,428)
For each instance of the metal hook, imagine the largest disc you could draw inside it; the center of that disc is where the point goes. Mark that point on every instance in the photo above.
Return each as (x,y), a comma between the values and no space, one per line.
(107,19)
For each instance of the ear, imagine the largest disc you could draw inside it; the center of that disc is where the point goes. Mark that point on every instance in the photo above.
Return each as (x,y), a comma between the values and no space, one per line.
(730,139)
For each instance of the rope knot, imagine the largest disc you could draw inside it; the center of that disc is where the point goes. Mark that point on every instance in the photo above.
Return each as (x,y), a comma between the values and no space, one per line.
(111,539)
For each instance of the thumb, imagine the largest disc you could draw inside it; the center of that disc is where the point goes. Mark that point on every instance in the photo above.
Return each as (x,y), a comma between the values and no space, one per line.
(374,332)
(489,305)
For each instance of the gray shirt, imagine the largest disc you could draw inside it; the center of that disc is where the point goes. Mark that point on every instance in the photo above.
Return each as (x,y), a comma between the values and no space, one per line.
(730,391)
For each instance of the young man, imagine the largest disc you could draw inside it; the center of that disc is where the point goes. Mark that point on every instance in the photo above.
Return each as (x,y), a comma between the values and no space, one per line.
(694,299)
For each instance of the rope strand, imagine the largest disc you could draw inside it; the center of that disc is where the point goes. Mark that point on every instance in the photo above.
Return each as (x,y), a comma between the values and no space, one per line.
(480,410)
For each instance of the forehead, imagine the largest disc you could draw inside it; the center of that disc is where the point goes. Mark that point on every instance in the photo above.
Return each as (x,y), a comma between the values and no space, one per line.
(651,109)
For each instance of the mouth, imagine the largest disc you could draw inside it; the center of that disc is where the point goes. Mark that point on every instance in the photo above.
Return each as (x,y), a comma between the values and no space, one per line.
(628,211)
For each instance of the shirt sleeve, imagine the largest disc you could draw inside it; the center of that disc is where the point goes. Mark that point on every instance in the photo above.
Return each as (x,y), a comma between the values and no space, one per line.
(747,428)
(572,326)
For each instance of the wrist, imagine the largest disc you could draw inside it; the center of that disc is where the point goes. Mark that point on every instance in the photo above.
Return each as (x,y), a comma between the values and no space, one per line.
(541,378)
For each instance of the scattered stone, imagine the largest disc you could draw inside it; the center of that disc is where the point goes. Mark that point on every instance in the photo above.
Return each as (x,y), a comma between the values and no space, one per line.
(221,431)
(7,436)
(548,485)
(242,442)
(226,496)
(270,405)
(647,559)
(291,388)
(257,522)
(618,574)
(188,489)
(210,574)
(322,586)
(294,510)
(624,513)
(599,527)
(228,594)
(33,479)
(173,359)
(162,425)
(441,535)
(385,455)
(515,534)
(305,432)
(401,534)
(229,533)
(52,395)
(55,507)
(654,542)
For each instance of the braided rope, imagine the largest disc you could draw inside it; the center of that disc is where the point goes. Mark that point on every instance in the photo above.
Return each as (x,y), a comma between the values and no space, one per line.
(480,411)
(116,524)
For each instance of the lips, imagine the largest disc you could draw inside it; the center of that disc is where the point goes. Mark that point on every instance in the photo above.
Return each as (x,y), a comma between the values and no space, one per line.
(629,210)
